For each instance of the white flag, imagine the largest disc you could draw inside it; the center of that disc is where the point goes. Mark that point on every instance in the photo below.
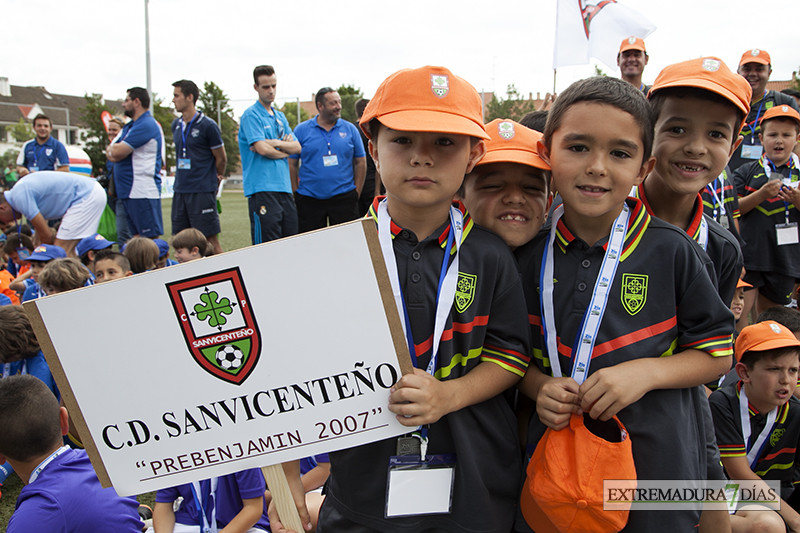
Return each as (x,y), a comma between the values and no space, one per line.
(595,28)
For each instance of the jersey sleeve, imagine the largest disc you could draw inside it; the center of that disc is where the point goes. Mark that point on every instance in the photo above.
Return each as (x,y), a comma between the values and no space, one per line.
(22,157)
(735,204)
(214,136)
(37,512)
(358,146)
(740,180)
(251,483)
(142,134)
(62,158)
(252,128)
(168,495)
(729,437)
(298,134)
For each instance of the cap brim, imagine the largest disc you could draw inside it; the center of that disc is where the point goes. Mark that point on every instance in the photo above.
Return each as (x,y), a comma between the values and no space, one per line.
(753,60)
(36,257)
(432,121)
(772,344)
(511,155)
(707,85)
(632,47)
(534,515)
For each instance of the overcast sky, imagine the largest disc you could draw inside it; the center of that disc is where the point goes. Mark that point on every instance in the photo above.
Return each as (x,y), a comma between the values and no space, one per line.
(99,46)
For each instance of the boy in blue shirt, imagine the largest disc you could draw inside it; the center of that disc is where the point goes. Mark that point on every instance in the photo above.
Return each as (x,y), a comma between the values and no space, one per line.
(634,290)
(26,282)
(426,132)
(62,492)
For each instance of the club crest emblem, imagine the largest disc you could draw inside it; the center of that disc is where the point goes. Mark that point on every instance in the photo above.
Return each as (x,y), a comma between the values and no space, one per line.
(343,134)
(465,291)
(506,130)
(631,40)
(785,108)
(711,65)
(776,436)
(49,152)
(263,210)
(754,52)
(440,85)
(218,324)
(195,132)
(590,11)
(634,292)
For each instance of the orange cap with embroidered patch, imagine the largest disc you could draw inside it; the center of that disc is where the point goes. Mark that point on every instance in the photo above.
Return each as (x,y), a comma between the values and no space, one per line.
(632,43)
(711,74)
(429,99)
(766,335)
(755,56)
(511,142)
(564,490)
(781,111)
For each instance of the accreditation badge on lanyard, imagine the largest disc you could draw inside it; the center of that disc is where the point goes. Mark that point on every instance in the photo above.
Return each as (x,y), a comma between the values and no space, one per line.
(417,483)
(719,212)
(587,336)
(786,233)
(184,163)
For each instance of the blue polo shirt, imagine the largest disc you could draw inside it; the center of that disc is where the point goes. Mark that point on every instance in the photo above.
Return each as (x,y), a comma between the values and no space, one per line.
(202,135)
(48,156)
(316,179)
(50,193)
(262,174)
(139,174)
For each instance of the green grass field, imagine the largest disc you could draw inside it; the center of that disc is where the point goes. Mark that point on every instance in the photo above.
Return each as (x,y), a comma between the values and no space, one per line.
(235,234)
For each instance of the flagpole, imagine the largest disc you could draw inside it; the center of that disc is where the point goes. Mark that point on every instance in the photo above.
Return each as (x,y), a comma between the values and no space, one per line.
(554,81)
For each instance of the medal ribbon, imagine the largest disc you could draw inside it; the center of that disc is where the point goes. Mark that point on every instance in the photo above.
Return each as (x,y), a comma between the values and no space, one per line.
(587,335)
(206,525)
(754,452)
(43,464)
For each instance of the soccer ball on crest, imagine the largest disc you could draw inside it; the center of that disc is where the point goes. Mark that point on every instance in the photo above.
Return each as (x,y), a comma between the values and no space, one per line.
(229,357)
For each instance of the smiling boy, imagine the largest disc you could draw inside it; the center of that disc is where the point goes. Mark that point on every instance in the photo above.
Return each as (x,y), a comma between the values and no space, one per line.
(761,444)
(632,288)
(698,108)
(508,192)
(768,199)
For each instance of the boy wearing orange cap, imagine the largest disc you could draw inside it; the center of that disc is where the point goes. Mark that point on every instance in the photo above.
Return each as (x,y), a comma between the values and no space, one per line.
(628,309)
(698,108)
(458,292)
(769,200)
(757,420)
(755,66)
(508,191)
(631,60)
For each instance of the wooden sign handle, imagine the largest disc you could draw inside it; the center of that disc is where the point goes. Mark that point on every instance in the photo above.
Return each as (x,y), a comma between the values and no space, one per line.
(282,495)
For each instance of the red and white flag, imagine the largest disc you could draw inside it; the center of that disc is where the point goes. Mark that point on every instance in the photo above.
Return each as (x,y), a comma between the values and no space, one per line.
(594,28)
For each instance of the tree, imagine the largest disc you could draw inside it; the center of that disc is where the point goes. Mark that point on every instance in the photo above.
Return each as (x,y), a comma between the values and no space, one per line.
(21,131)
(290,110)
(209,97)
(95,138)
(350,95)
(164,116)
(598,71)
(513,107)
(9,156)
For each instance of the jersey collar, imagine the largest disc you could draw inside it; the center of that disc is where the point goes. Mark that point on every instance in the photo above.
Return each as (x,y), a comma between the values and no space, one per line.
(783,410)
(697,217)
(638,221)
(442,239)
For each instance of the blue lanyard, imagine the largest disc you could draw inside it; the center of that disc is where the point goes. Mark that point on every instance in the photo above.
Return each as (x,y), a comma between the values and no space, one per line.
(327,137)
(37,152)
(183,133)
(753,125)
(208,503)
(278,124)
(768,166)
(719,200)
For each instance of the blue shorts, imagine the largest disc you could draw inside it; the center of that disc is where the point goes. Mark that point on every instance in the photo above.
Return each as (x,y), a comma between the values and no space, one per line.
(195,210)
(144,216)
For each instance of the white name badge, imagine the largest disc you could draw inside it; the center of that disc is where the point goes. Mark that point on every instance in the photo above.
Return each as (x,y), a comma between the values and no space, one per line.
(787,233)
(417,487)
(33,169)
(752,151)
(790,181)
(330,160)
(184,164)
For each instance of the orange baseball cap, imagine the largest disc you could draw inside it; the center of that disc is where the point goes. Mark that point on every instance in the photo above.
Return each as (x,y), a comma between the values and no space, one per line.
(711,74)
(766,335)
(755,56)
(742,284)
(511,142)
(429,99)
(781,111)
(564,488)
(632,43)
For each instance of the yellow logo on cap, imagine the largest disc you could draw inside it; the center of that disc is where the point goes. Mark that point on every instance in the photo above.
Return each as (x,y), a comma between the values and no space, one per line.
(711,65)
(506,130)
(41,248)
(631,40)
(440,85)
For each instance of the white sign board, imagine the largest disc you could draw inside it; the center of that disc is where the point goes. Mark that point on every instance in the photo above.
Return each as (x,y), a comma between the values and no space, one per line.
(250,358)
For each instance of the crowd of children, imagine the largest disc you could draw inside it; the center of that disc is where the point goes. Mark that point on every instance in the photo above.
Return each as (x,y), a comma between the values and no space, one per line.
(546,336)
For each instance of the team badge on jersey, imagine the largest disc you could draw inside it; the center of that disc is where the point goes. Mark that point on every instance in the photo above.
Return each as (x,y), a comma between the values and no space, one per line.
(634,292)
(218,324)
(343,134)
(776,436)
(440,85)
(506,130)
(195,132)
(48,151)
(465,291)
